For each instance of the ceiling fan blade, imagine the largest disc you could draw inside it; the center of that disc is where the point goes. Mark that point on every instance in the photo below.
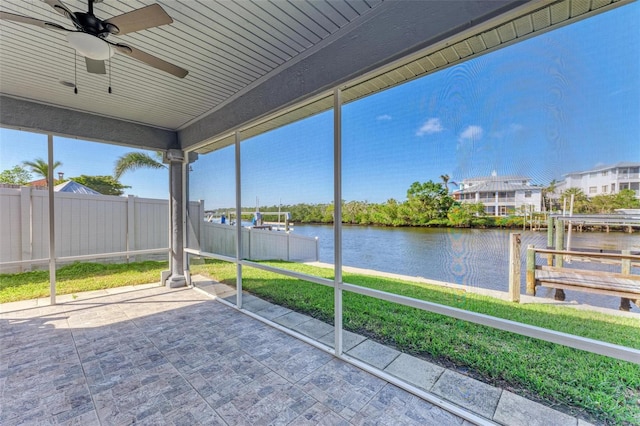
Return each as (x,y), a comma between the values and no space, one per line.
(31,21)
(151,60)
(59,7)
(140,19)
(95,67)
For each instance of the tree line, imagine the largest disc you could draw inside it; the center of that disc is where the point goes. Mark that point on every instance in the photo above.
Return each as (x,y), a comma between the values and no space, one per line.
(599,204)
(430,204)
(427,203)
(104,184)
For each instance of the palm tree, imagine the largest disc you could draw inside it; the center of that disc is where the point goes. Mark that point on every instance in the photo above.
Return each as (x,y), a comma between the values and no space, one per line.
(41,167)
(134,161)
(445,178)
(581,203)
(548,194)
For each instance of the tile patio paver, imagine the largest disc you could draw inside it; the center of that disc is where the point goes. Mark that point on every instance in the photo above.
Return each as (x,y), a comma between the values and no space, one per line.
(380,356)
(273,311)
(349,340)
(342,387)
(469,393)
(291,319)
(173,356)
(392,405)
(415,371)
(515,410)
(313,328)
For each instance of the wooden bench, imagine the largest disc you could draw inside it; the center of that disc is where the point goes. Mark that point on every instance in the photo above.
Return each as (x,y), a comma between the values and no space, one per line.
(623,285)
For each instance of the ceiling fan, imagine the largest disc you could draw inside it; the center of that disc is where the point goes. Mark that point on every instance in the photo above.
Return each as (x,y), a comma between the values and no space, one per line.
(89,38)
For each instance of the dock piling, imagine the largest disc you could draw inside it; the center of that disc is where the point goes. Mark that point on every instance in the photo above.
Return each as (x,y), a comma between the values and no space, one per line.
(514,267)
(559,295)
(625,303)
(550,239)
(531,270)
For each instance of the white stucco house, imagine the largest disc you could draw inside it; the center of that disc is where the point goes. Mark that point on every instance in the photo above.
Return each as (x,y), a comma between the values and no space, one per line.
(501,195)
(604,180)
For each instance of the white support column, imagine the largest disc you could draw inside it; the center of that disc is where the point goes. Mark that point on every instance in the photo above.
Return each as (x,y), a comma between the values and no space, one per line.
(176,164)
(26,225)
(238,223)
(131,225)
(52,223)
(200,222)
(185,216)
(337,218)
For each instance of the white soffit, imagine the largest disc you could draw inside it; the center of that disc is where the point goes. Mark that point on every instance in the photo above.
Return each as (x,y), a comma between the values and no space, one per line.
(490,36)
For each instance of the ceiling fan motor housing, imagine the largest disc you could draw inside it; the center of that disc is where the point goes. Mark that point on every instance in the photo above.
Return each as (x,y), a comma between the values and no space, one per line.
(90,24)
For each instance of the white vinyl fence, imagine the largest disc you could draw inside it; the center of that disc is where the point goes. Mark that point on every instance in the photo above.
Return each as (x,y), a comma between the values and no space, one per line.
(84,225)
(88,225)
(257,244)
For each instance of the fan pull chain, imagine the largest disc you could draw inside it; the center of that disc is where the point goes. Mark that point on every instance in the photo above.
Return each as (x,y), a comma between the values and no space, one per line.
(75,72)
(109,75)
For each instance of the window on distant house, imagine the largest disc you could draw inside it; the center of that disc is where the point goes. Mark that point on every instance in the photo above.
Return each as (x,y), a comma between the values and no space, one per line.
(593,174)
(605,188)
(527,194)
(613,187)
(605,172)
(593,189)
(624,185)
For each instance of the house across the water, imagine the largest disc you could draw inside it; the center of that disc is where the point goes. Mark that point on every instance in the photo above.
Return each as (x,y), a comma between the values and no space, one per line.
(501,195)
(604,180)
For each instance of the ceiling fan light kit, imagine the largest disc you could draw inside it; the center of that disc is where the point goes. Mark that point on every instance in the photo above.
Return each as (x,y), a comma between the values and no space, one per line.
(90,46)
(89,38)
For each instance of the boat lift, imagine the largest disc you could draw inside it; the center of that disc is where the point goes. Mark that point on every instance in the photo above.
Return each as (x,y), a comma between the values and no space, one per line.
(283,219)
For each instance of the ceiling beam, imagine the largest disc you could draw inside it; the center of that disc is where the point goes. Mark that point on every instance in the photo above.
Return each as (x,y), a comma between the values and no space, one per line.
(391,31)
(31,116)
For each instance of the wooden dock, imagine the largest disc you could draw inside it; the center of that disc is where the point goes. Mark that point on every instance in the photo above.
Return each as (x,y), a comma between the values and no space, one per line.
(589,281)
(607,221)
(623,284)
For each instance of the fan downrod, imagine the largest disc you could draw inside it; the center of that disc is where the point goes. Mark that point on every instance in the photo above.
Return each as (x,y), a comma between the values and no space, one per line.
(93,25)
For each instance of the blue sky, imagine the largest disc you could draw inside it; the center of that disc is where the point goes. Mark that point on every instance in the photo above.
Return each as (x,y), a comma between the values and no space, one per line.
(563,101)
(80,157)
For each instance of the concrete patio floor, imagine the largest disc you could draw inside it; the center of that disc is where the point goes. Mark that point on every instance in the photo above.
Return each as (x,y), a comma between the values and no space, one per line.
(152,355)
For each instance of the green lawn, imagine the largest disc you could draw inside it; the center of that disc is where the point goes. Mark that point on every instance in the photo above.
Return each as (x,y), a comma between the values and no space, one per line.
(592,386)
(78,277)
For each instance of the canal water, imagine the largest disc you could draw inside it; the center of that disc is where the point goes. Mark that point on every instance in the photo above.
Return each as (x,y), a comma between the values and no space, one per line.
(471,257)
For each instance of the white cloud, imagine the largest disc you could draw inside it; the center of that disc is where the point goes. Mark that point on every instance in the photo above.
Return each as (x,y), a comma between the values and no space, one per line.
(432,125)
(508,131)
(383,117)
(471,133)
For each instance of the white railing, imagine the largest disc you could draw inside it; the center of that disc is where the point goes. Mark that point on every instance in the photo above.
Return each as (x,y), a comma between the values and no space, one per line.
(257,244)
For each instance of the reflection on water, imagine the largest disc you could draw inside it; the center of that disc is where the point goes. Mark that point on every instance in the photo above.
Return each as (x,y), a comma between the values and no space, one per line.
(472,257)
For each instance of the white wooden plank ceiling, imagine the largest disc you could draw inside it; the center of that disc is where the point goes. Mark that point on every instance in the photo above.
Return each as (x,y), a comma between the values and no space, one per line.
(226,46)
